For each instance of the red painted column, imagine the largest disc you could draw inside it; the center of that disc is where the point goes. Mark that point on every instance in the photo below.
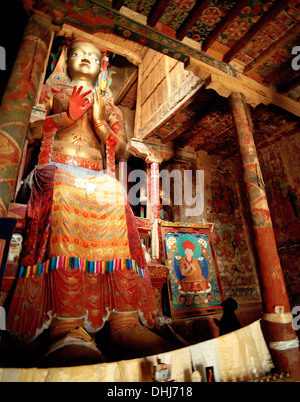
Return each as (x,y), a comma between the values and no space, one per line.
(18,100)
(154,185)
(123,173)
(153,195)
(277,320)
(148,215)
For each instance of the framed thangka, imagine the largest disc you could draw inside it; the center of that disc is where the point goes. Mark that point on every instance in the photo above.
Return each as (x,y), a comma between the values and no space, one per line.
(194,281)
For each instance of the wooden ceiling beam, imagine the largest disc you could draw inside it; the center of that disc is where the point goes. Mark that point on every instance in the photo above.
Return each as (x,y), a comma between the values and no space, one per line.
(182,129)
(228,148)
(157,11)
(223,24)
(293,32)
(225,133)
(269,15)
(275,75)
(203,109)
(192,17)
(288,86)
(117,4)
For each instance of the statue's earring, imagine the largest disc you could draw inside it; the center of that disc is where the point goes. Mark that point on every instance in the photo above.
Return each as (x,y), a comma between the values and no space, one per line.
(98,81)
(59,75)
(104,78)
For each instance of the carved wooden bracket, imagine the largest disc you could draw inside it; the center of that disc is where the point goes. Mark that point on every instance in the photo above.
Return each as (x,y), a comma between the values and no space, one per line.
(156,151)
(224,84)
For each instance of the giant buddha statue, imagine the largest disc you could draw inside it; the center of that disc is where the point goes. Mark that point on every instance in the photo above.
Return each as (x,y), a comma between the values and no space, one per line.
(82,263)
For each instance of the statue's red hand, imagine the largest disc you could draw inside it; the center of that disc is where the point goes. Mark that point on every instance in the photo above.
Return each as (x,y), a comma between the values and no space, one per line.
(79,104)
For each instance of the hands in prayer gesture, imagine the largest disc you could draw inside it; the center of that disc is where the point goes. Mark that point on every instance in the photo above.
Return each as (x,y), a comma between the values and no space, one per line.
(79,104)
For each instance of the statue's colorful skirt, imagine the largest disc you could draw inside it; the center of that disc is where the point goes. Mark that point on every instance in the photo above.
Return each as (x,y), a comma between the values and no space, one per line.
(82,257)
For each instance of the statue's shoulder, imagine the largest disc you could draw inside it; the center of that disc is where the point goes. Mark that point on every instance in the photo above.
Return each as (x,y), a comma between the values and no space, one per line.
(55,91)
(46,94)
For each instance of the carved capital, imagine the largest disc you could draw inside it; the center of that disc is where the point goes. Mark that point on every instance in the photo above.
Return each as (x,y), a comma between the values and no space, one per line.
(155,151)
(150,151)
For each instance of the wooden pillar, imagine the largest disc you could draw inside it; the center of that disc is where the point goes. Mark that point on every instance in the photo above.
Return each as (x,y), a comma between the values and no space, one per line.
(277,320)
(18,100)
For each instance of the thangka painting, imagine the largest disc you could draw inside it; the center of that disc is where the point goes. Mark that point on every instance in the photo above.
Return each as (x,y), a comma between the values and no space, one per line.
(194,281)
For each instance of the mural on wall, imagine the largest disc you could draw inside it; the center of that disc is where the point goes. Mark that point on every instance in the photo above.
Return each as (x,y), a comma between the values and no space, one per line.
(224,213)
(233,246)
(280,168)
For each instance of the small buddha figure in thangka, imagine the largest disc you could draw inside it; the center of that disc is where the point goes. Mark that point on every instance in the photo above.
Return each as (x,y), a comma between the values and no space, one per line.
(82,262)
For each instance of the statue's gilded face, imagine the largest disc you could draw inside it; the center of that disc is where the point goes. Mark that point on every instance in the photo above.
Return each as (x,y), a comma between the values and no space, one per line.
(84,60)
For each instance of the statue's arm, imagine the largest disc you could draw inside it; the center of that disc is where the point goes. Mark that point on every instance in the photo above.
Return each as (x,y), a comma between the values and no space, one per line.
(117,128)
(77,106)
(109,125)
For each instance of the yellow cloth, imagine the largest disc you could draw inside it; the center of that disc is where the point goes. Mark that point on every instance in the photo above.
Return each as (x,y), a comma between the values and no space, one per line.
(239,356)
(122,371)
(205,354)
(243,354)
